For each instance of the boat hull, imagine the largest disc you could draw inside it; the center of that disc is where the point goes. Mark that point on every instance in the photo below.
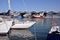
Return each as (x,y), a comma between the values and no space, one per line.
(37,16)
(23,25)
(5,27)
(53,37)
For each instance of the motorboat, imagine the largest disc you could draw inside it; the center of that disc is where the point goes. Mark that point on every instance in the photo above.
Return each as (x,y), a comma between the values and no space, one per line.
(54,34)
(23,24)
(4,26)
(37,16)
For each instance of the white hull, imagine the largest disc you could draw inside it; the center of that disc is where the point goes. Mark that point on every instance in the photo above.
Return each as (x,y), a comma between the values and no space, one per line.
(5,26)
(23,25)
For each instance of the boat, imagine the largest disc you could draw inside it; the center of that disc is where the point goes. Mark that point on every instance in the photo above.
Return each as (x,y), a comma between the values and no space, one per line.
(22,25)
(54,34)
(38,15)
(5,26)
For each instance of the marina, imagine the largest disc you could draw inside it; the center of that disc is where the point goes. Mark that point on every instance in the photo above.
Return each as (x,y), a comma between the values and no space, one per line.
(26,27)
(29,20)
(38,31)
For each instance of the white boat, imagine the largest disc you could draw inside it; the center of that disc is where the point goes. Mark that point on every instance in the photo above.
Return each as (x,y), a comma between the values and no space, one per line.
(26,24)
(38,15)
(5,26)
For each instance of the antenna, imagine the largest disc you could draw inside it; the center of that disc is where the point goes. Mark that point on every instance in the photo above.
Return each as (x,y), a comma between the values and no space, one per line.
(9,5)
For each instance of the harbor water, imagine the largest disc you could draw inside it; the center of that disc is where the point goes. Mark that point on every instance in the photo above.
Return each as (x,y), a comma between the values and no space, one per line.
(38,31)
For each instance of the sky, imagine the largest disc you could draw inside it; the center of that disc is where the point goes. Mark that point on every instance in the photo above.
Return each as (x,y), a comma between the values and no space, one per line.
(30,5)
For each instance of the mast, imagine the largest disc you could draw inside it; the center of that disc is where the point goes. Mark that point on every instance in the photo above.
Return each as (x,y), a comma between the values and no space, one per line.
(9,5)
(9,8)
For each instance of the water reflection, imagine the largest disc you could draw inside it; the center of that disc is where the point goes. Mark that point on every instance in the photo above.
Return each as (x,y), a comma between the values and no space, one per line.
(20,35)
(41,28)
(38,31)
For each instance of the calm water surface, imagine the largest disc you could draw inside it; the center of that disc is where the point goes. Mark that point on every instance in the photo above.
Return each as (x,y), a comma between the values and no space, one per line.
(38,31)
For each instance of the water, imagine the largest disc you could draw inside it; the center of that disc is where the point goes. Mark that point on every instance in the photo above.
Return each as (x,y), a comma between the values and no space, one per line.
(41,28)
(38,31)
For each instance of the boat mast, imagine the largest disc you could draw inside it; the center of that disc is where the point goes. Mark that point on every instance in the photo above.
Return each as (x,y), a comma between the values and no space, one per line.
(9,5)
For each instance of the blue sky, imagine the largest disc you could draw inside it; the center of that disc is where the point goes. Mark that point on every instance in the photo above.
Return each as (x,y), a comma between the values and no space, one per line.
(30,5)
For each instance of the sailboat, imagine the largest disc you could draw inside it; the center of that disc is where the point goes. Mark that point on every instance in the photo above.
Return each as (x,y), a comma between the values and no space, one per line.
(4,26)
(23,25)
(19,24)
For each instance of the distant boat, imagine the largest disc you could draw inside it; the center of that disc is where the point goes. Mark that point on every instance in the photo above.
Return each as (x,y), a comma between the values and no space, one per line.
(23,25)
(38,16)
(5,26)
